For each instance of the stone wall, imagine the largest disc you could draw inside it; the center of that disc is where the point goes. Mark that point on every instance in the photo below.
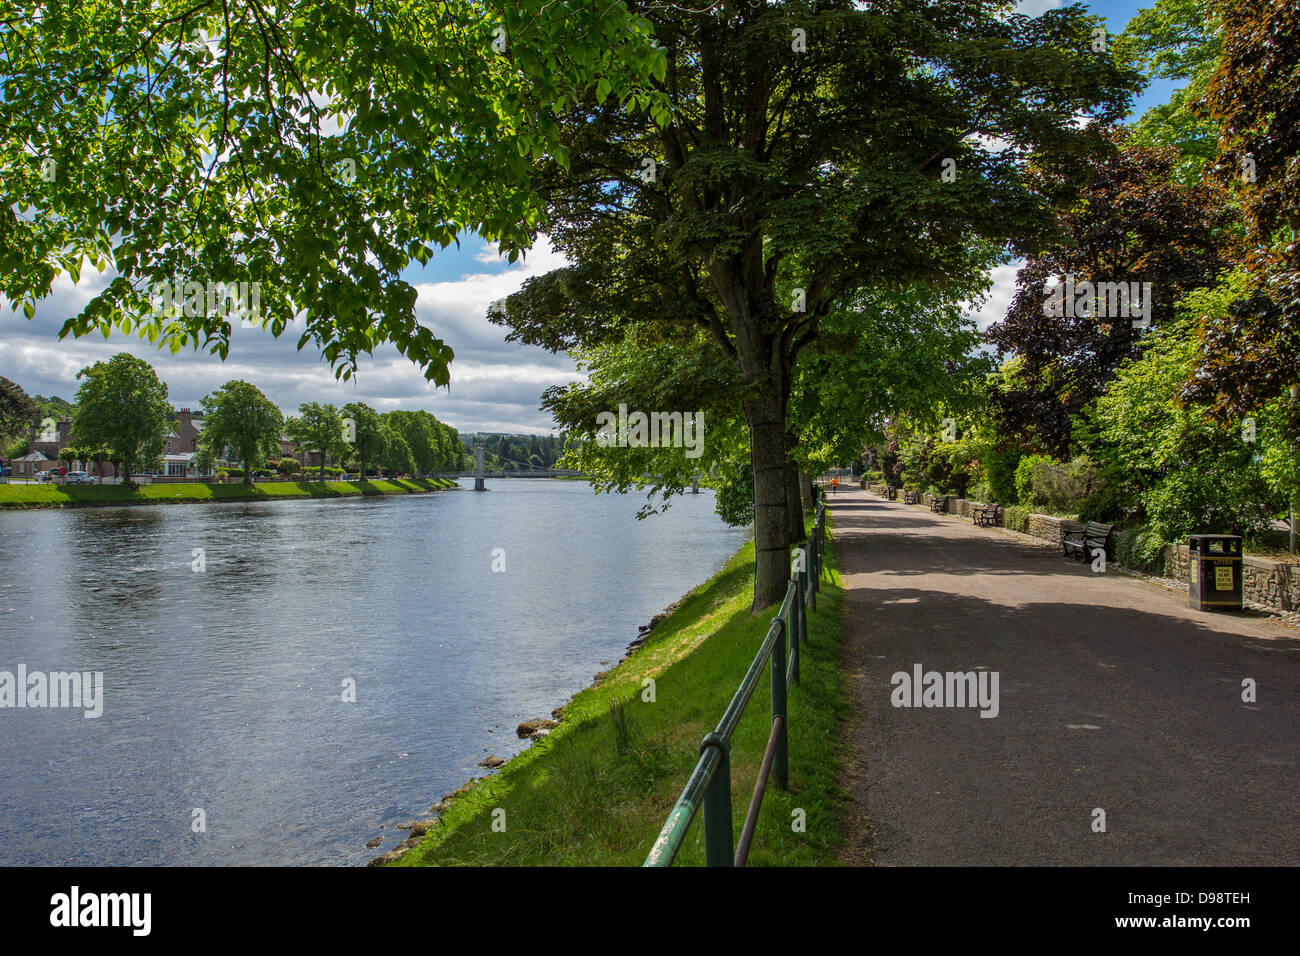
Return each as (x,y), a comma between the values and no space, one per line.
(1051,529)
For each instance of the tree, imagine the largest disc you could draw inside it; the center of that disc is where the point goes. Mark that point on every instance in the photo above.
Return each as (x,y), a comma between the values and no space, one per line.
(239,416)
(319,428)
(122,408)
(205,459)
(688,375)
(397,458)
(68,455)
(314,150)
(1176,40)
(1135,224)
(17,411)
(424,437)
(1251,347)
(1190,474)
(364,433)
(818,147)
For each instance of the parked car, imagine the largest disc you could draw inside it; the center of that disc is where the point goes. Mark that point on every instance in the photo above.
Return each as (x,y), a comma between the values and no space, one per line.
(46,476)
(80,478)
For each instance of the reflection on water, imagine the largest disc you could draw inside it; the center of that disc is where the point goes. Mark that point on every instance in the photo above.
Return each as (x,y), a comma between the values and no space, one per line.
(223,686)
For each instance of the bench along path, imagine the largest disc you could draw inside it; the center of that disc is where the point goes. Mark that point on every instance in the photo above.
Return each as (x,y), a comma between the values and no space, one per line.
(1113,694)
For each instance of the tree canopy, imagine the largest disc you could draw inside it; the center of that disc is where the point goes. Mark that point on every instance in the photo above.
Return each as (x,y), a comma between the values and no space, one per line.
(811,149)
(122,408)
(310,151)
(239,416)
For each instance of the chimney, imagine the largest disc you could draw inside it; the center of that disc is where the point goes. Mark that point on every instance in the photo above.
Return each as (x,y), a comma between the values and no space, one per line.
(185,416)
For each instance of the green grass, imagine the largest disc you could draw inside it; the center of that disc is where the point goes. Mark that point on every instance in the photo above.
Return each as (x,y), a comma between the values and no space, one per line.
(53,496)
(596,791)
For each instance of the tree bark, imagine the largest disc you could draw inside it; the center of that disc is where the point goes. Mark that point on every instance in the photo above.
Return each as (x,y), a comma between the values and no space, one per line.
(793,506)
(766,416)
(805,489)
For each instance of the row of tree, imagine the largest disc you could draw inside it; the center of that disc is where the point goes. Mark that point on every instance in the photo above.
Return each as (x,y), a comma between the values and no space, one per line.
(122,415)
(1186,419)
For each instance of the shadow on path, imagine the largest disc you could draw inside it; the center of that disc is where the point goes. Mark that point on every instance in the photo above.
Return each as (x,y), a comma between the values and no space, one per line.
(1112,695)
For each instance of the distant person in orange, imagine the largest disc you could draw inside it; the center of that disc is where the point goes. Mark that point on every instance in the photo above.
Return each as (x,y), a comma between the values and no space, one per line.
(835,484)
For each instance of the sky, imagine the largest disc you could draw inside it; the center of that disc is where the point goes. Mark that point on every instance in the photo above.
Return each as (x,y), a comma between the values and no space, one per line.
(495,385)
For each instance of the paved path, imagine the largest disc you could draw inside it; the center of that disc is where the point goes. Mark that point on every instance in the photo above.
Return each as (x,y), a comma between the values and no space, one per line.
(1113,694)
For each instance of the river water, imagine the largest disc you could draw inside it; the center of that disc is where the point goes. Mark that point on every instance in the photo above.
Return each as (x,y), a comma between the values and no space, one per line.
(223,688)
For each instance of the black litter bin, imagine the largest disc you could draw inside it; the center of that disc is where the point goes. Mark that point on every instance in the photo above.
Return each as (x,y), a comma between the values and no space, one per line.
(1215,572)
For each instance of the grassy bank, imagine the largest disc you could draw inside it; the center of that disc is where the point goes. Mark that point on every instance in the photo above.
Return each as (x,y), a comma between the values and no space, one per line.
(596,791)
(61,496)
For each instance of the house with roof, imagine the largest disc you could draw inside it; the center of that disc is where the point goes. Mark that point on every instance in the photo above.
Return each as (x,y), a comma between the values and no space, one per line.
(31,464)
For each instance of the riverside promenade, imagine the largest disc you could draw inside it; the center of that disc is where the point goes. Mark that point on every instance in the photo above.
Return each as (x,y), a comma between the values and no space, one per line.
(1113,696)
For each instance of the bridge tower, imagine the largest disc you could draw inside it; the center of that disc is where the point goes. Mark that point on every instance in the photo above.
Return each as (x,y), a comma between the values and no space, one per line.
(480,483)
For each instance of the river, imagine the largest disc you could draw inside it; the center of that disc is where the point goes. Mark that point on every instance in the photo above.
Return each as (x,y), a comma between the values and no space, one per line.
(229,636)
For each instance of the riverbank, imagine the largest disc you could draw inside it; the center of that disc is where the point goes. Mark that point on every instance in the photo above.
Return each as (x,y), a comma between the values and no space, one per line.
(596,789)
(82,496)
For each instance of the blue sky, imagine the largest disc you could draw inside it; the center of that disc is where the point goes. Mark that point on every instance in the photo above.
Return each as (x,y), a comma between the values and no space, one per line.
(495,386)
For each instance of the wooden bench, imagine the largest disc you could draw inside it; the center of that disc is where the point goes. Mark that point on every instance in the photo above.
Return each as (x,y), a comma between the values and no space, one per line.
(939,504)
(986,516)
(1094,537)
(911,497)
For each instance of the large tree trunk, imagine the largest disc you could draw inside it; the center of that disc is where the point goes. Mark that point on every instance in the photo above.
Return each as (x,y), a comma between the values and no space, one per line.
(766,416)
(793,506)
(805,490)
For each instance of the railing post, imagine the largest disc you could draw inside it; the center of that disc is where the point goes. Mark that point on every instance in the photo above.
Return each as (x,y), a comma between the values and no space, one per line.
(803,604)
(814,571)
(718,847)
(781,758)
(794,628)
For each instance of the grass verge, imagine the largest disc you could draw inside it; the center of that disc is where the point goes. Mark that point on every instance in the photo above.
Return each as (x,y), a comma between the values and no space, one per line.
(63,496)
(596,790)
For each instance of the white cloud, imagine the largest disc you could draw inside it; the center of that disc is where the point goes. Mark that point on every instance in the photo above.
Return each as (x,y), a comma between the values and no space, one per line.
(495,385)
(1034,7)
(993,307)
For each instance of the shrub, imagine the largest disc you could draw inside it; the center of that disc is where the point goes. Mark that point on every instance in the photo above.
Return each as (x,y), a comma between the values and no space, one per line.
(1217,495)
(1024,478)
(1000,473)
(1017,518)
(1065,487)
(1112,503)
(1141,549)
(288,466)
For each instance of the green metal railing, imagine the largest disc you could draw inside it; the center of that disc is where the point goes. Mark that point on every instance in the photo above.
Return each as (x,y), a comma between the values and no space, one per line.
(709,785)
